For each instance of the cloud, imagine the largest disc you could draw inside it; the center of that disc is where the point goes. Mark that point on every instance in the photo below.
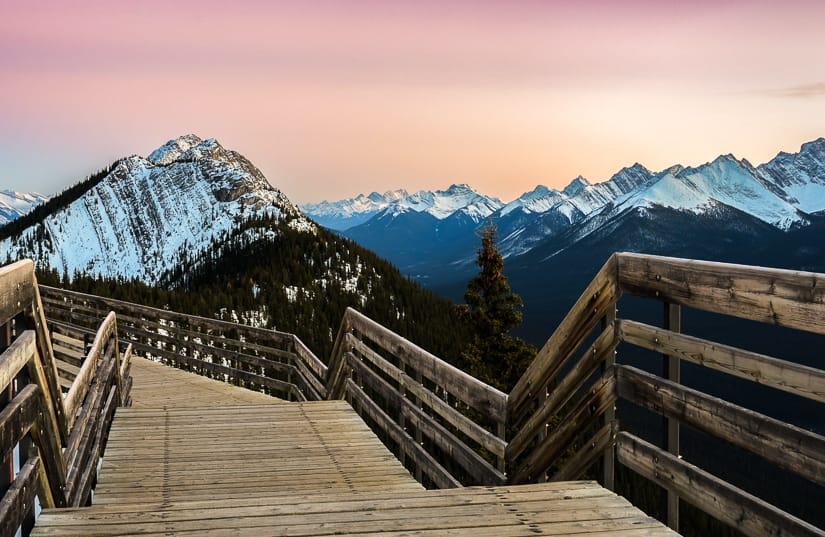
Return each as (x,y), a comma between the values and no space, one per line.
(804,91)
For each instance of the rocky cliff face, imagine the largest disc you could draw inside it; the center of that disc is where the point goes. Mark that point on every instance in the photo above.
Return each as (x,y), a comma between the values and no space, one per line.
(148,214)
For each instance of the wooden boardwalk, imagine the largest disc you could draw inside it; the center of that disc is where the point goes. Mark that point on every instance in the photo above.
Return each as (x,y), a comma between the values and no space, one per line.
(194,456)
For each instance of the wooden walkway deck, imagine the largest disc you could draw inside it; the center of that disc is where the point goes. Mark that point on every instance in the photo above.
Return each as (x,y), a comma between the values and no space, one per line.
(194,456)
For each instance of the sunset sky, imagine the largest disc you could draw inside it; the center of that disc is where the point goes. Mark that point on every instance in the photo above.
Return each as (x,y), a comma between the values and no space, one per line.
(333,98)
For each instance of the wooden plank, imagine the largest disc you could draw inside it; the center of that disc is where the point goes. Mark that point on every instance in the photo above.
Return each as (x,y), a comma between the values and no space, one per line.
(787,446)
(600,397)
(18,501)
(467,426)
(16,289)
(337,372)
(793,299)
(436,472)
(585,366)
(47,370)
(259,334)
(794,378)
(81,384)
(99,434)
(308,357)
(597,301)
(16,356)
(475,393)
(460,453)
(18,416)
(731,505)
(80,457)
(589,453)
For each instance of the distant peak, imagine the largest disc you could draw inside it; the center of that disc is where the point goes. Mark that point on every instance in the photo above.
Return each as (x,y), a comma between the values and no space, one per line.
(174,148)
(576,185)
(817,145)
(460,187)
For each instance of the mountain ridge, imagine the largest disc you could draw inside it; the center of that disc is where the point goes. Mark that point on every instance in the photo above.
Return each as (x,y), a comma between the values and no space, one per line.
(782,192)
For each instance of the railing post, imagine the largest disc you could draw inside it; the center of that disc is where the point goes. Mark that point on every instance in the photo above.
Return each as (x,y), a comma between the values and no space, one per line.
(672,372)
(418,438)
(609,456)
(7,468)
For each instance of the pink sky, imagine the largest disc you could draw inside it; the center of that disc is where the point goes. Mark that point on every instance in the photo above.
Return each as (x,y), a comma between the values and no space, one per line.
(333,98)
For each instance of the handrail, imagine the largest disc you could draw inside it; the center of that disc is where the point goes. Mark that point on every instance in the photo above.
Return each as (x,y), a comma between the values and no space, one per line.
(276,363)
(448,428)
(446,425)
(557,405)
(59,441)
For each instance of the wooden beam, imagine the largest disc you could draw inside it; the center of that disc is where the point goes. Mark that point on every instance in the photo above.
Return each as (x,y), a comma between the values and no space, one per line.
(600,397)
(784,445)
(464,456)
(81,384)
(789,298)
(671,370)
(18,501)
(790,377)
(589,453)
(475,393)
(731,505)
(467,426)
(581,370)
(16,356)
(597,300)
(441,477)
(192,320)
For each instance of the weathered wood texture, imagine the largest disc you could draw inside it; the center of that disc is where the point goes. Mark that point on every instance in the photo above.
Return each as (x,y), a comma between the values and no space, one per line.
(735,507)
(426,408)
(275,362)
(56,442)
(175,466)
(546,427)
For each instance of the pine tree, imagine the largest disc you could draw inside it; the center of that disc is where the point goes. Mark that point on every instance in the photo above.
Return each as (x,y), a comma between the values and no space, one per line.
(491,310)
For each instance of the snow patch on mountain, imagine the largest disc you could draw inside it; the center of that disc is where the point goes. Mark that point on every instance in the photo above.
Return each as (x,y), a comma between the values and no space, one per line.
(15,204)
(148,215)
(726,180)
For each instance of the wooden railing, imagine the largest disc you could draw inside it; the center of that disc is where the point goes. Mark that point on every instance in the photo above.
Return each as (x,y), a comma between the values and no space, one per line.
(276,363)
(55,441)
(566,398)
(446,426)
(442,423)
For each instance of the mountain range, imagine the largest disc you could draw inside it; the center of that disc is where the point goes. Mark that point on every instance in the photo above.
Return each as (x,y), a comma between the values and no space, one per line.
(13,205)
(431,235)
(197,227)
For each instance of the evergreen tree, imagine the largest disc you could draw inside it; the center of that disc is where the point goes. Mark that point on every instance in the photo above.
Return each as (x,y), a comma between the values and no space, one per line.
(491,310)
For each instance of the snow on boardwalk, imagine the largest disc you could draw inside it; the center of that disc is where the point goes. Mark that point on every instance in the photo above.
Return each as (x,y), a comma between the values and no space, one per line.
(196,457)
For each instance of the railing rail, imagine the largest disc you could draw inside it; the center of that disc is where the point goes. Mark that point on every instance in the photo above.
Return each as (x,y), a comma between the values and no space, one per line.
(558,405)
(273,362)
(444,424)
(448,428)
(57,442)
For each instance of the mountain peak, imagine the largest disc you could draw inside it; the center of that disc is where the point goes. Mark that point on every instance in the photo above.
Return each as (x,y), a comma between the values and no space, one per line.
(576,185)
(173,149)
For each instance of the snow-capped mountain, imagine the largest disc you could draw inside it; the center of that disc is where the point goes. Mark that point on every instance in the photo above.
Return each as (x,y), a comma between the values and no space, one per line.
(344,214)
(782,193)
(443,203)
(15,204)
(148,214)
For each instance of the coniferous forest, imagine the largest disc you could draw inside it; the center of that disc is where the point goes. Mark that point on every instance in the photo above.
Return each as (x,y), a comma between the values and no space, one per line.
(268,274)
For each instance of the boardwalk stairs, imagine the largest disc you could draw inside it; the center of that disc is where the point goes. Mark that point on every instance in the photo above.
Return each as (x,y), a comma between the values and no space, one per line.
(120,419)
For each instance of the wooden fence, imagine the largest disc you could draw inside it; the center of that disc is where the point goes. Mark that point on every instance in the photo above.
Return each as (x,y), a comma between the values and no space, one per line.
(276,363)
(55,440)
(448,428)
(567,396)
